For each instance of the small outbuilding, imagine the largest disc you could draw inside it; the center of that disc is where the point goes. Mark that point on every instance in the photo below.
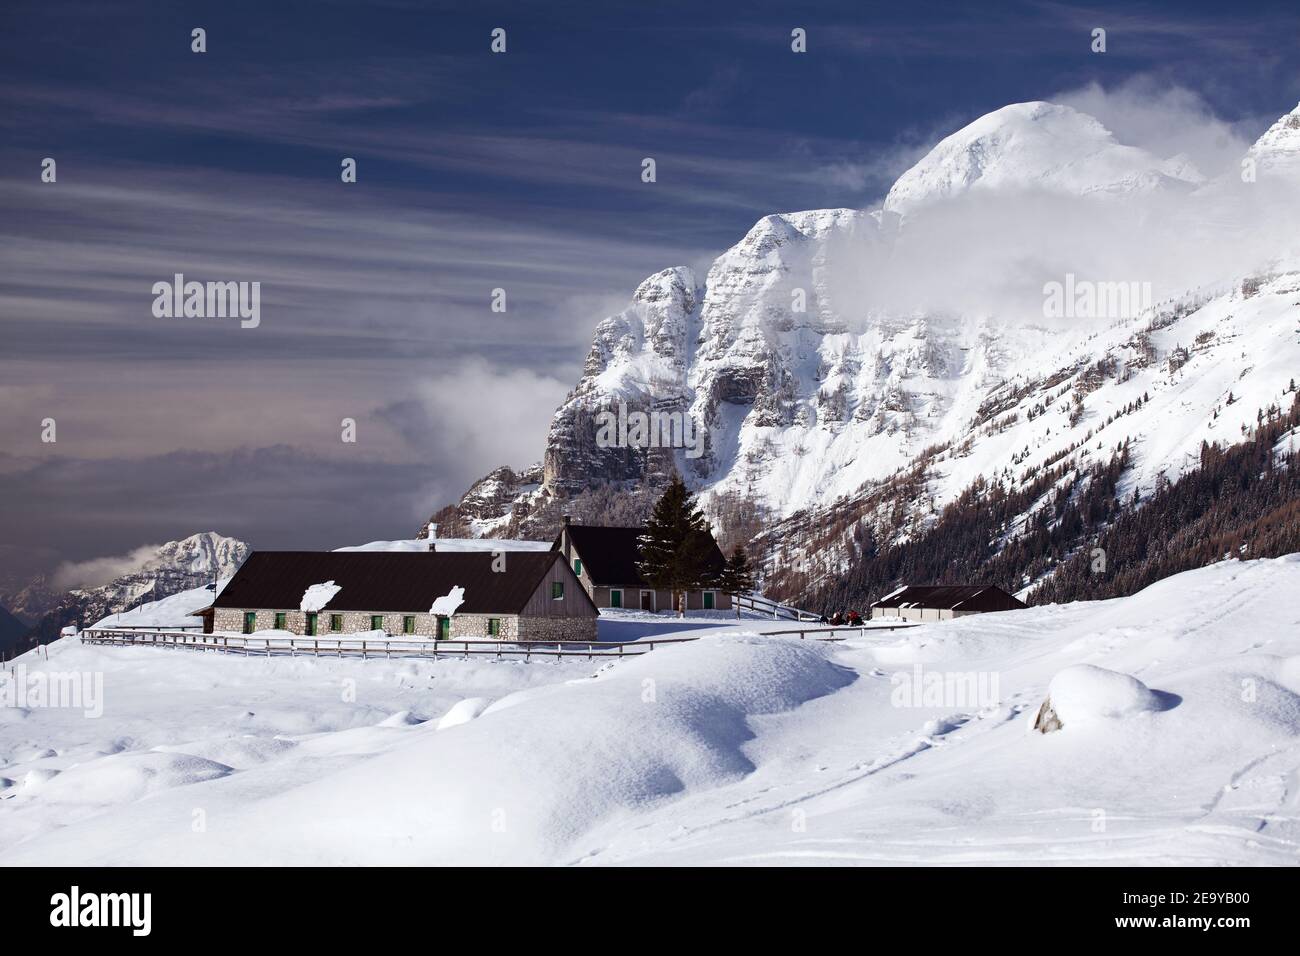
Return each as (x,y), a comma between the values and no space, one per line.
(943,602)
(513,596)
(604,559)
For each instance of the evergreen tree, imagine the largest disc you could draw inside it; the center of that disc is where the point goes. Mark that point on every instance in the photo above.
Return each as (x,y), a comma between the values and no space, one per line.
(737,576)
(677,548)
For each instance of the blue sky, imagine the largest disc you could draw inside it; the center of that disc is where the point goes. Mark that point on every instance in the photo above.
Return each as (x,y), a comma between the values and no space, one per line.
(476,171)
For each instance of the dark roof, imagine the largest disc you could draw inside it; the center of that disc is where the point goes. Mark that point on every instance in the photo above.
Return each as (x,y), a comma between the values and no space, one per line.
(952,597)
(387,580)
(609,555)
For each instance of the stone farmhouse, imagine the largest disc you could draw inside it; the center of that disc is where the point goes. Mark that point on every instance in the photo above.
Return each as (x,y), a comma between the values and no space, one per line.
(941,603)
(511,596)
(604,559)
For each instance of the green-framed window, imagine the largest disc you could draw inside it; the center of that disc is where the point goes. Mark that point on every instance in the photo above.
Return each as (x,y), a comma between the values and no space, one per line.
(250,622)
(494,627)
(336,622)
(281,621)
(577,566)
(557,590)
(376,622)
(408,623)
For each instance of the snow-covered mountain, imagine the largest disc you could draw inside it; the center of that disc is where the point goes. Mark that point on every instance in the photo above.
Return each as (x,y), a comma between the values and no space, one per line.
(810,397)
(176,566)
(1036,146)
(1277,152)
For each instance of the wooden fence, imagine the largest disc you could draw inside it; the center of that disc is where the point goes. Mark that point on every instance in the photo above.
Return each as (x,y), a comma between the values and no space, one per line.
(845,632)
(761,605)
(366,648)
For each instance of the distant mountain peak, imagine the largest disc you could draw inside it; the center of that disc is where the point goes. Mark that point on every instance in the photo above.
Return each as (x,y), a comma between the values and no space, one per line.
(176,566)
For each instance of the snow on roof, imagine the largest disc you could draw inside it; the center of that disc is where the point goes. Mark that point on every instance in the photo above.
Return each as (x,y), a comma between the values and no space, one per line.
(967,597)
(318,595)
(447,604)
(452,544)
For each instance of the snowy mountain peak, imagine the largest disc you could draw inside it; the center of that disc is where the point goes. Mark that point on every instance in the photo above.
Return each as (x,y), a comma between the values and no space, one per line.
(1279,147)
(675,284)
(201,553)
(1034,145)
(780,229)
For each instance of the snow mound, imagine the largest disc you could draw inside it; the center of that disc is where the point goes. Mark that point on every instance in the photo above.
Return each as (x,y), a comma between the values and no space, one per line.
(38,777)
(1086,693)
(522,783)
(403,718)
(239,753)
(462,712)
(128,776)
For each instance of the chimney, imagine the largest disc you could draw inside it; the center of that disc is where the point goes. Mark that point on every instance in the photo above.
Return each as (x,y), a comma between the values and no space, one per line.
(566,519)
(433,536)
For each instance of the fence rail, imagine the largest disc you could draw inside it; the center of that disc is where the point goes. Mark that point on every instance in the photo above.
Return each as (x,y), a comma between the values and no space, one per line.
(366,648)
(762,605)
(844,632)
(250,645)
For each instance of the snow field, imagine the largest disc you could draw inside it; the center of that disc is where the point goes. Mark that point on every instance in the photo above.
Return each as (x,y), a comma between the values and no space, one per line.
(1180,745)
